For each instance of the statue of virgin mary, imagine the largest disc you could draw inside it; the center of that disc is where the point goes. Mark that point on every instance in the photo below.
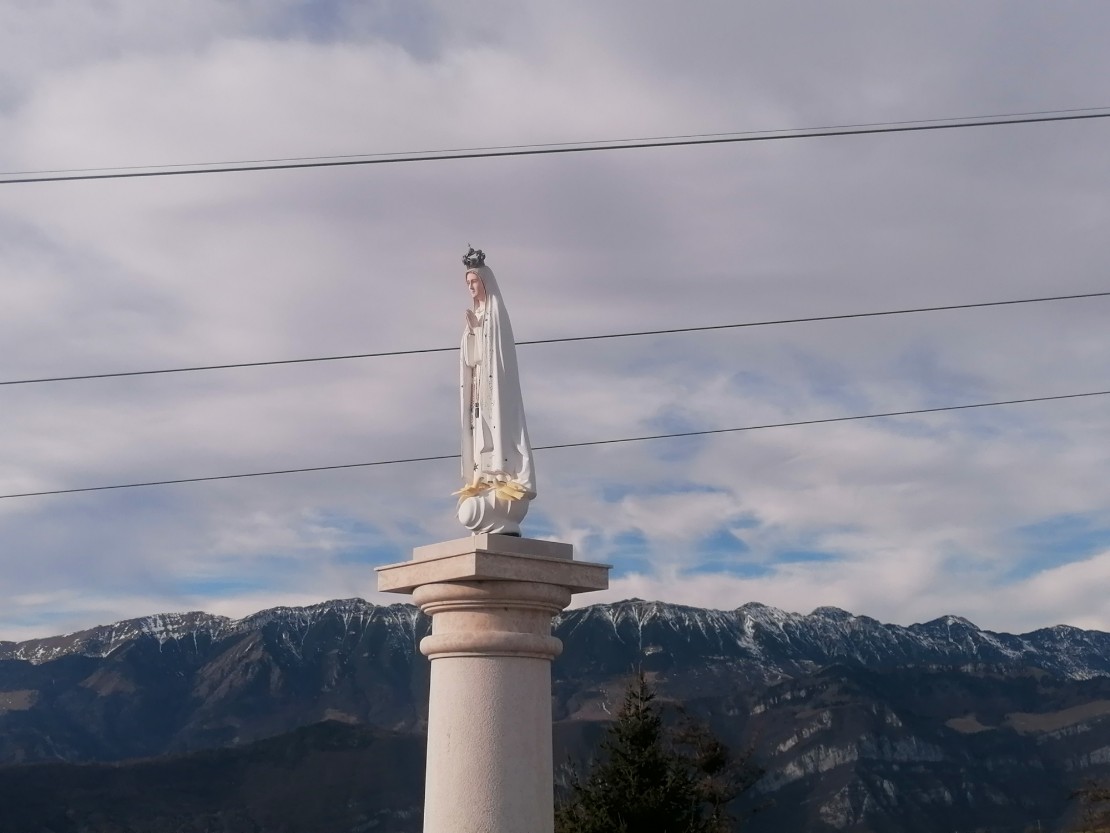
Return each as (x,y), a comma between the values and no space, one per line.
(496,454)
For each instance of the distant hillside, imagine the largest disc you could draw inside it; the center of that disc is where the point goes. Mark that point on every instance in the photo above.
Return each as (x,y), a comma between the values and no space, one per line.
(861,726)
(326,778)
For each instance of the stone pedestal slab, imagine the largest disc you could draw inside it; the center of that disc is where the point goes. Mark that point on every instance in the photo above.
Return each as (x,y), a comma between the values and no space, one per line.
(491,599)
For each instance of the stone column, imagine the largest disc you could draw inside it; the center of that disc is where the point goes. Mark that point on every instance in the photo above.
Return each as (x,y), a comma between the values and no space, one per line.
(491,599)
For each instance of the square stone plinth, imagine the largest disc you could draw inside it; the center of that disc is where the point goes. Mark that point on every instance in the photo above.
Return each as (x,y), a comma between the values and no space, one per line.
(494,558)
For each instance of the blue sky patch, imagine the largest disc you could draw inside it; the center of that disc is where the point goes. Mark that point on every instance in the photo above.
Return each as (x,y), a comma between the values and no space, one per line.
(723,551)
(942,385)
(804,556)
(738,568)
(222,586)
(407,24)
(538,524)
(361,542)
(756,385)
(1056,541)
(384,553)
(614,492)
(629,552)
(830,382)
(344,523)
(675,421)
(721,541)
(32,618)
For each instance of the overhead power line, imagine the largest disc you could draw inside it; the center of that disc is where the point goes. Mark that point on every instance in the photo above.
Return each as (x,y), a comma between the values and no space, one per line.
(561,148)
(620,440)
(543,144)
(561,340)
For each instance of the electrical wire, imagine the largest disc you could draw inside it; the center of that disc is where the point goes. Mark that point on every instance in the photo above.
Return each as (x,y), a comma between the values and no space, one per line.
(546,144)
(560,340)
(645,438)
(707,139)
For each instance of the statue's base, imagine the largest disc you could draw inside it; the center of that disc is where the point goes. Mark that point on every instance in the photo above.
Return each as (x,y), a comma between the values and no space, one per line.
(488,513)
(494,558)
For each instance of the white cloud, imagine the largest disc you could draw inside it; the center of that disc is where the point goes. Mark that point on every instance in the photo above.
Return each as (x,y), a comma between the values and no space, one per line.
(921,514)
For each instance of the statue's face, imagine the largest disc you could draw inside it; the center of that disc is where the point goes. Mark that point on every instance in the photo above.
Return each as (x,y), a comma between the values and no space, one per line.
(476,287)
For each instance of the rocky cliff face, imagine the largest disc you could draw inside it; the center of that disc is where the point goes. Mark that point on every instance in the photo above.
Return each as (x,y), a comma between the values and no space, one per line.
(860,726)
(772,644)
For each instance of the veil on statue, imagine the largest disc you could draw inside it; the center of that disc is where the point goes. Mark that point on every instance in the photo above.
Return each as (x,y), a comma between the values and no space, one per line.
(497,466)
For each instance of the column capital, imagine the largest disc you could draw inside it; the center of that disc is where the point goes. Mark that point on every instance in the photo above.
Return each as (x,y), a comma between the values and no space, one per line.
(491,618)
(494,558)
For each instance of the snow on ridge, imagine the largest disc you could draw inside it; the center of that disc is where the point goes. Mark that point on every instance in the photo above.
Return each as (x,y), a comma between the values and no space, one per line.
(774,637)
(303,615)
(102,640)
(762,633)
(166,626)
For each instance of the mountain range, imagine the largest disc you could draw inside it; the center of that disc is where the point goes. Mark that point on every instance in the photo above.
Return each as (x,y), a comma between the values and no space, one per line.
(313,718)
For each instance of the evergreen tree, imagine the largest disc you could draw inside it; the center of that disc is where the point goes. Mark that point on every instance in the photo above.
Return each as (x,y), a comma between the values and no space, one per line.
(649,780)
(719,775)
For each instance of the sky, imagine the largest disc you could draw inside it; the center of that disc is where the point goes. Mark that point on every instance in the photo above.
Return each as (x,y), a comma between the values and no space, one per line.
(1000,515)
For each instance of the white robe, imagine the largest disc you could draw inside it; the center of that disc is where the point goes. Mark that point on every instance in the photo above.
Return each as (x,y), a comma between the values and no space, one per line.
(495,435)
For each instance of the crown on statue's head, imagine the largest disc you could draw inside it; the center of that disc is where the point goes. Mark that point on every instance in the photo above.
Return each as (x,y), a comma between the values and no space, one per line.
(474,258)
